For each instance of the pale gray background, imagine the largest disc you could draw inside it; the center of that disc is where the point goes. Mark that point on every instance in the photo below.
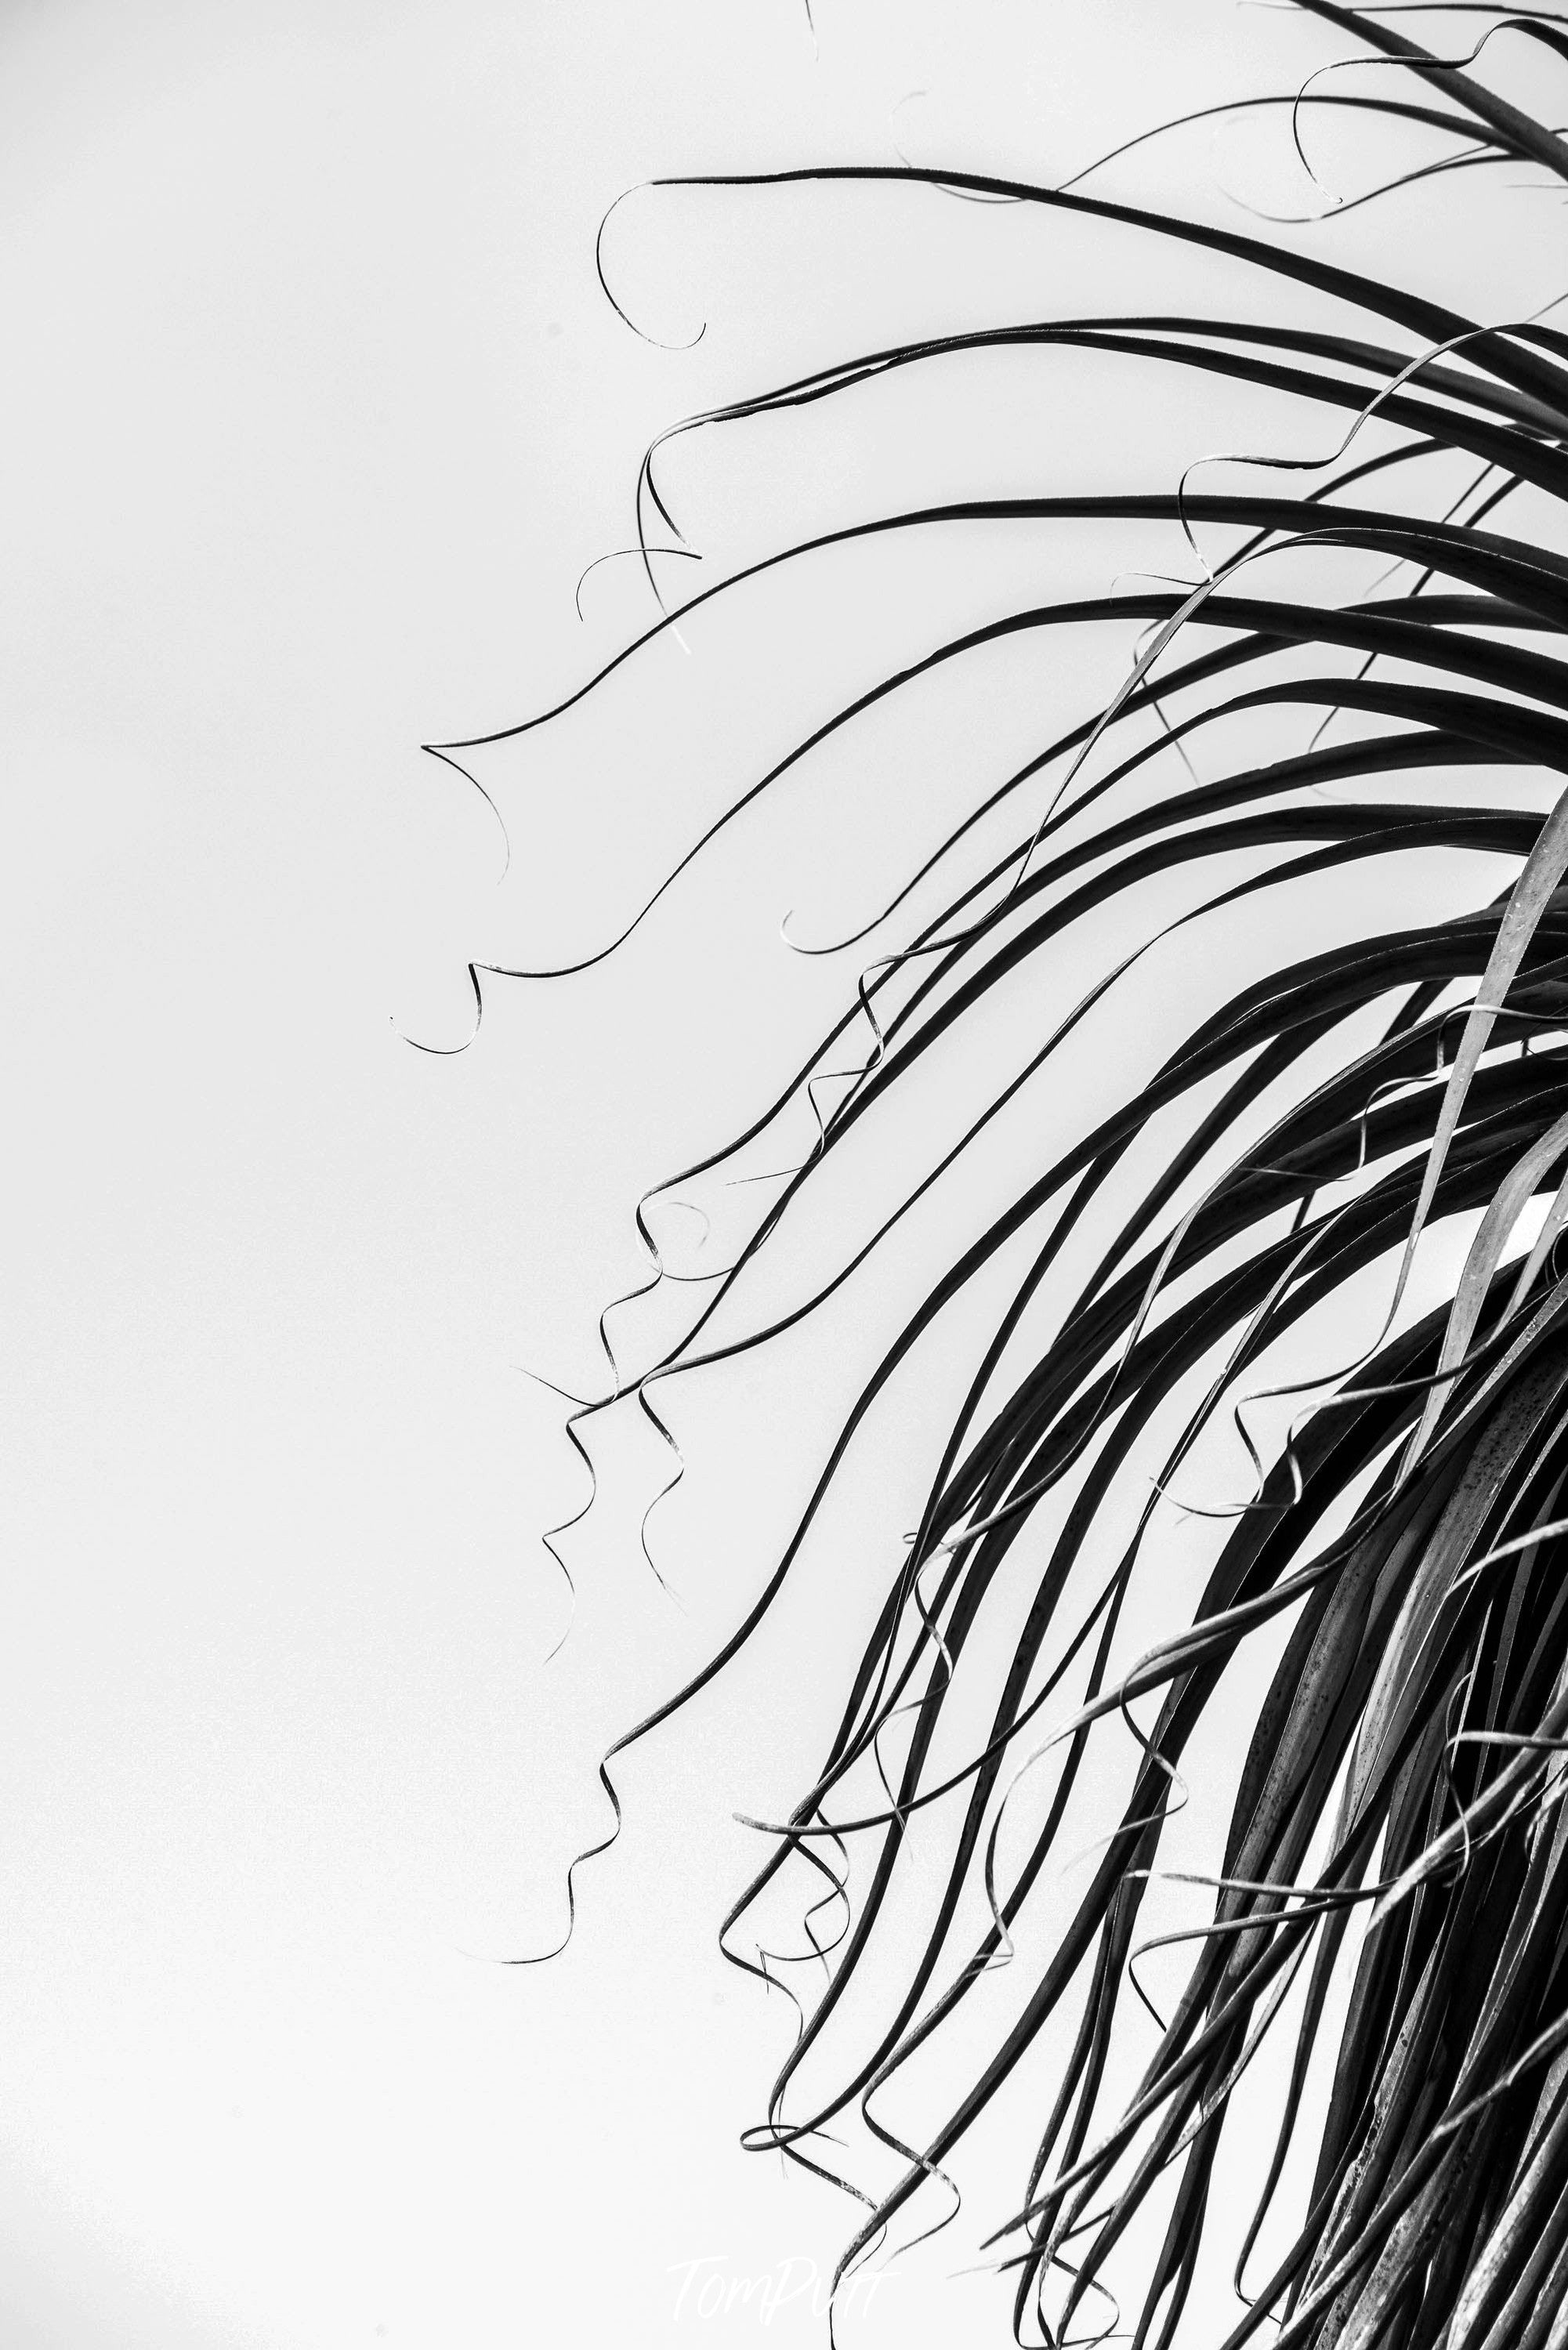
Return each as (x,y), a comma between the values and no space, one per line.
(313,415)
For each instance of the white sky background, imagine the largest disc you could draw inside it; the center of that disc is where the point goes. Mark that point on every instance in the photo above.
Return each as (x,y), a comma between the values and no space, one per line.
(314,413)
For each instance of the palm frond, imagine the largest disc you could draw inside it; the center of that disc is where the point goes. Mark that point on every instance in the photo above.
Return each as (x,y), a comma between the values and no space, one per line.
(1334,1133)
